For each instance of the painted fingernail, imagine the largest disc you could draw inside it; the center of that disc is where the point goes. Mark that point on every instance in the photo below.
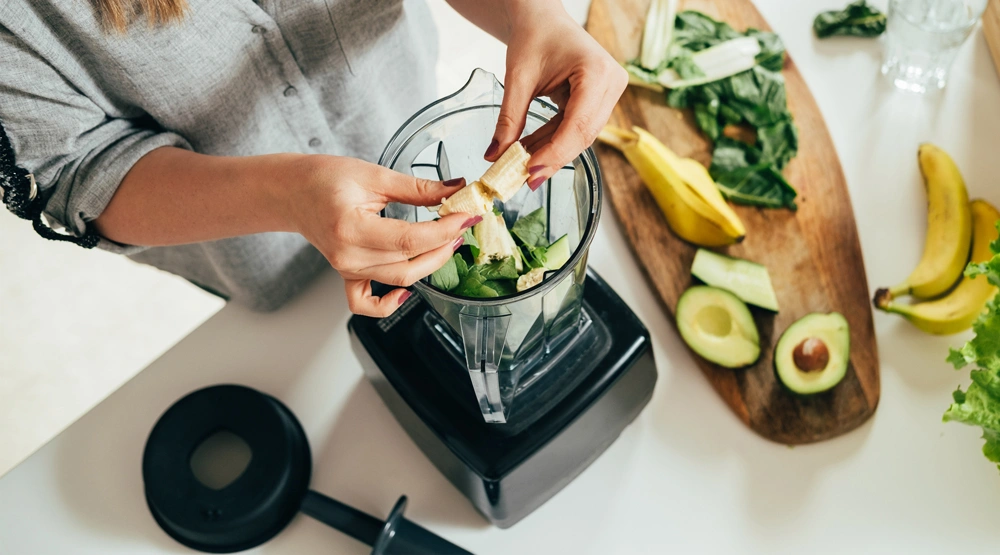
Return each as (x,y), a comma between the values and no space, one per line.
(494,147)
(535,169)
(458,243)
(458,181)
(471,222)
(404,296)
(535,183)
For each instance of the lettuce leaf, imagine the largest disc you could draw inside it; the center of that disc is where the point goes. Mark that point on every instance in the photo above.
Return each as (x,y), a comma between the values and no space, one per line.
(979,405)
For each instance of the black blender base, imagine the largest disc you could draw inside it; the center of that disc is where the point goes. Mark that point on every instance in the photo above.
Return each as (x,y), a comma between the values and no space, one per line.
(507,476)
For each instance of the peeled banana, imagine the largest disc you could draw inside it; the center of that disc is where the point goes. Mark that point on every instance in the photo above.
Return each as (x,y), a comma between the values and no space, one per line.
(949,229)
(958,310)
(501,181)
(692,204)
(495,242)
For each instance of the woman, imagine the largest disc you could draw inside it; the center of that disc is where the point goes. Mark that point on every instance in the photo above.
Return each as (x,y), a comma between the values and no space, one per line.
(231,141)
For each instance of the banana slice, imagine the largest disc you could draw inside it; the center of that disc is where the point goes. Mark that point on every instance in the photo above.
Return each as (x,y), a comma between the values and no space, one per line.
(495,242)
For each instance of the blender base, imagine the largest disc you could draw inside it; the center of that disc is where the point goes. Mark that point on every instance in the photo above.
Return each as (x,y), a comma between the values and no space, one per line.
(508,475)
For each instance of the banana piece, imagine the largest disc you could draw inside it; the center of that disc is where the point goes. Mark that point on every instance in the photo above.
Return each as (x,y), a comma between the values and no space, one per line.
(530,279)
(959,309)
(501,181)
(689,216)
(506,176)
(949,229)
(495,241)
(473,199)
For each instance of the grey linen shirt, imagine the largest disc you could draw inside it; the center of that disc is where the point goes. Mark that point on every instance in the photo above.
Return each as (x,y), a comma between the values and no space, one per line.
(236,78)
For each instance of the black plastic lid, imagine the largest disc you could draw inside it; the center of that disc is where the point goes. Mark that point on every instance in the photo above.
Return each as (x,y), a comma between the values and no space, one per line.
(254,507)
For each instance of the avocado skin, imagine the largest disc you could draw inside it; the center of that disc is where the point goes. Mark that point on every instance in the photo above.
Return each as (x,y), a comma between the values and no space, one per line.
(832,328)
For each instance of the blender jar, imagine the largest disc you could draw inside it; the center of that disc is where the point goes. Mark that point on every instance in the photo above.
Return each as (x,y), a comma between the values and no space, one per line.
(502,342)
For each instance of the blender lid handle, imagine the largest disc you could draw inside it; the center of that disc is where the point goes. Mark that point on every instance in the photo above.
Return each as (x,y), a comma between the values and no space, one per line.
(394,536)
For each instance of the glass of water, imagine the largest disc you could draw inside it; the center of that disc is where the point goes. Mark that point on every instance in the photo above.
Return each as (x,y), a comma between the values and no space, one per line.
(923,37)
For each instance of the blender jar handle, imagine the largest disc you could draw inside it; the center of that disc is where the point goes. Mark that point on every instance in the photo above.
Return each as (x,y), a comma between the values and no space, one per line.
(484,338)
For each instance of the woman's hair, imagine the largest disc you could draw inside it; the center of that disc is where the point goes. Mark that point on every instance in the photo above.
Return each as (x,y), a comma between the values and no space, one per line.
(117,14)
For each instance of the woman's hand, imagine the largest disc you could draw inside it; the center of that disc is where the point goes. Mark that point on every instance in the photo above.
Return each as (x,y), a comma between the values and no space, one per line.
(549,54)
(336,208)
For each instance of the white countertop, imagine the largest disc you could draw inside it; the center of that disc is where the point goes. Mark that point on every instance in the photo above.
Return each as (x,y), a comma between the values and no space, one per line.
(686,476)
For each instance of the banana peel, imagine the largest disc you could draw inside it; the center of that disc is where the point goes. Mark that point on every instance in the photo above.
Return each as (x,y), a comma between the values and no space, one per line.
(694,208)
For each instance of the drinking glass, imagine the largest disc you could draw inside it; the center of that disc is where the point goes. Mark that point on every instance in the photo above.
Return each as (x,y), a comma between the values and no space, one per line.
(923,37)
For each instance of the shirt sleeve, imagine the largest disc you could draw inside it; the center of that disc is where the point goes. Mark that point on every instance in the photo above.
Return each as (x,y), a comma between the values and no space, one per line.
(77,153)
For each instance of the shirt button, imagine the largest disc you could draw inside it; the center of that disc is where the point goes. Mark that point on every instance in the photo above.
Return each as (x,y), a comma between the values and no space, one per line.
(291,91)
(314,142)
(258,30)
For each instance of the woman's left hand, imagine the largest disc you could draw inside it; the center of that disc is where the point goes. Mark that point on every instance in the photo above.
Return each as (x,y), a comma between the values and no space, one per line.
(549,54)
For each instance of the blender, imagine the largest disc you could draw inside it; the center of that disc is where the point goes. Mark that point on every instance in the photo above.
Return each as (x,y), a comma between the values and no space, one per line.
(510,397)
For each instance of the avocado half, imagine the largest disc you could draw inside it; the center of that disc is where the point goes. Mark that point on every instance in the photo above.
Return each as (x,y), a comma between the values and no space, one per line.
(718,326)
(813,353)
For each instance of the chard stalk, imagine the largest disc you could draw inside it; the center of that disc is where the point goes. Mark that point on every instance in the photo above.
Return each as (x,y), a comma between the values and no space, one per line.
(657,32)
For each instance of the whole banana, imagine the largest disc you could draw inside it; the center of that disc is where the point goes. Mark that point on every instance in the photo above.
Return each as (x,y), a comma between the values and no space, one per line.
(956,311)
(949,230)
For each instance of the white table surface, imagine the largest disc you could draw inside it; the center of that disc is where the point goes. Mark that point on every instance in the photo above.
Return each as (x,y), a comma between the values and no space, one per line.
(686,477)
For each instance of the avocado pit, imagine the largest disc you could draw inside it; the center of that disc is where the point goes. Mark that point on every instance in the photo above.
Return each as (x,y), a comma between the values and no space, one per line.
(811,355)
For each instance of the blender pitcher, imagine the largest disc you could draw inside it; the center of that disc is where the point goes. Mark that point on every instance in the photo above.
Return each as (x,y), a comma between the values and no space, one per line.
(503,342)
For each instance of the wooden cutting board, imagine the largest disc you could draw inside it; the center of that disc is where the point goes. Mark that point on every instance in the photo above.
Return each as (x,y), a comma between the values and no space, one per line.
(991,30)
(813,255)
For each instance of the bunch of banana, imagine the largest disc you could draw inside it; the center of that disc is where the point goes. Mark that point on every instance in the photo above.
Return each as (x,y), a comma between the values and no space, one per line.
(948,302)
(688,197)
(501,181)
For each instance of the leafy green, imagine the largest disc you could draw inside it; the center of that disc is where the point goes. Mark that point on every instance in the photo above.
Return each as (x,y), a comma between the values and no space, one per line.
(530,229)
(858,19)
(446,277)
(745,176)
(503,287)
(504,268)
(471,242)
(979,405)
(474,285)
(756,98)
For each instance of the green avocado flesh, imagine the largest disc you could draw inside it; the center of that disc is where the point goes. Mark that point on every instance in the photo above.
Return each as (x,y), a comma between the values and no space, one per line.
(747,280)
(834,333)
(718,326)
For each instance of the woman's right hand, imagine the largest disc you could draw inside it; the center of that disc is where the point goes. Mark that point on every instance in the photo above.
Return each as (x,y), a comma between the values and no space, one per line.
(336,206)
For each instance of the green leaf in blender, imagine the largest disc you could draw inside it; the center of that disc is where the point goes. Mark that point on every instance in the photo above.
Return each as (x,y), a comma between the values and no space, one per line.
(980,404)
(503,268)
(858,19)
(471,242)
(474,285)
(446,277)
(530,229)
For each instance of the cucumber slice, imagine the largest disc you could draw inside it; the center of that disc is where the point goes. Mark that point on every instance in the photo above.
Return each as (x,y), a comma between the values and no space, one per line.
(747,280)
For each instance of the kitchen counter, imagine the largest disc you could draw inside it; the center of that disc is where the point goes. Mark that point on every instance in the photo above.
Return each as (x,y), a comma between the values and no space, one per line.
(686,476)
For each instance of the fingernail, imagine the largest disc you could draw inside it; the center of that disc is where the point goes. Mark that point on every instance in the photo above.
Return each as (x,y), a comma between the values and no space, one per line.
(535,183)
(535,169)
(494,147)
(458,243)
(471,222)
(454,182)
(404,296)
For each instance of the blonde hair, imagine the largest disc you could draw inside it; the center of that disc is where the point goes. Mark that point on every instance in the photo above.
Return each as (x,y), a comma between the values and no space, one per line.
(117,14)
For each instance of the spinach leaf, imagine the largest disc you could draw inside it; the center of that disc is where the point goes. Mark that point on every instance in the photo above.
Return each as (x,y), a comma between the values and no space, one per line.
(530,229)
(772,50)
(471,242)
(498,269)
(503,287)
(446,277)
(778,142)
(744,178)
(858,19)
(474,285)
